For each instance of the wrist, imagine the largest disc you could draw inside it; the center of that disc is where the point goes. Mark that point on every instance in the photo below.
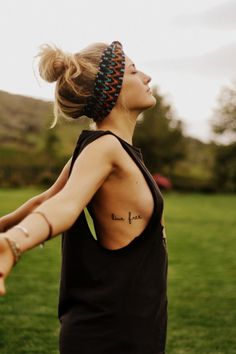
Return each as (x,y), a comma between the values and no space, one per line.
(25,243)
(11,248)
(27,235)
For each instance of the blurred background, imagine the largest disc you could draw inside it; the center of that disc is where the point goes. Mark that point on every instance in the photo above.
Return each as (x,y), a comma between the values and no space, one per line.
(187,140)
(187,47)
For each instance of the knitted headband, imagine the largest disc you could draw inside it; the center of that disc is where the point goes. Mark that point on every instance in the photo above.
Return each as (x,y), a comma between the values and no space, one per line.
(107,83)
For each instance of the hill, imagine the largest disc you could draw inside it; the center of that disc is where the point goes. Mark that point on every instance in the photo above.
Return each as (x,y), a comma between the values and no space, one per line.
(24,123)
(31,153)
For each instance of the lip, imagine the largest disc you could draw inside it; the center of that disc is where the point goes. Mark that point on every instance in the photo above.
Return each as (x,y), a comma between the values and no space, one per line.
(148,90)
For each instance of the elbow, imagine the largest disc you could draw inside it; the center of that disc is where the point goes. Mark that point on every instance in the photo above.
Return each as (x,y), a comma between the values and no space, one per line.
(38,199)
(71,213)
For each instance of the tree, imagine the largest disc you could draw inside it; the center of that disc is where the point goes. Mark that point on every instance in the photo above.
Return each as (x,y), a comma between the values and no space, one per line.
(224,123)
(51,142)
(160,136)
(224,118)
(225,168)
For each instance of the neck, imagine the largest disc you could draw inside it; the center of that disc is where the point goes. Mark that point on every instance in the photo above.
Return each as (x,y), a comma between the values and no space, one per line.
(120,123)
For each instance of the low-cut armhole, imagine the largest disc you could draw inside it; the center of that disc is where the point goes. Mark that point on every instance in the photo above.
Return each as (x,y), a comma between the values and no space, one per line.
(90,225)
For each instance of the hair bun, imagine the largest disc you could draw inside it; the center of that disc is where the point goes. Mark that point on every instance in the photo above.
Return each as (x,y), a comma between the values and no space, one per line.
(53,62)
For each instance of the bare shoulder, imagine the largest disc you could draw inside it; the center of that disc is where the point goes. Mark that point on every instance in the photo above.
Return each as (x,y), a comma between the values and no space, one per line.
(91,168)
(106,141)
(106,146)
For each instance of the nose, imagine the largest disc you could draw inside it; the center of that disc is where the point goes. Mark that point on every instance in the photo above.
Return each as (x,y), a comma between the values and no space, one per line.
(147,78)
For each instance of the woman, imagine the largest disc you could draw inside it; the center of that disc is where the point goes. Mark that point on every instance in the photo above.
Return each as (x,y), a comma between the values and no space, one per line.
(113,290)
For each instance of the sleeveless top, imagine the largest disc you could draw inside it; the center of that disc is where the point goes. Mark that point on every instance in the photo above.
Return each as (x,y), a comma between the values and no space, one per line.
(114,301)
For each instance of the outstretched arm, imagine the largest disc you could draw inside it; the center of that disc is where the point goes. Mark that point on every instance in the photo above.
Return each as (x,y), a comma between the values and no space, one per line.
(96,162)
(20,213)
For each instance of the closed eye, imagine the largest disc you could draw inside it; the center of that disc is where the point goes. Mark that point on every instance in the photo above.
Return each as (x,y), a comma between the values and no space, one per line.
(134,69)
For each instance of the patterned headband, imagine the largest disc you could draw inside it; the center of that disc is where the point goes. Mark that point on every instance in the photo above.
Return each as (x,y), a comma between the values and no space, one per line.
(107,83)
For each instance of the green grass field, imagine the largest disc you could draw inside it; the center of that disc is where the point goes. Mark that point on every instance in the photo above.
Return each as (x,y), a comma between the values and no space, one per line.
(201,233)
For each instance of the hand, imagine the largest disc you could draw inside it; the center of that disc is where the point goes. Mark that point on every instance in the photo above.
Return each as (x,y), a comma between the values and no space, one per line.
(6,262)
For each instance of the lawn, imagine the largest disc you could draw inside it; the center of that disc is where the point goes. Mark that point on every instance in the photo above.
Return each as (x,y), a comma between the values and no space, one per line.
(201,277)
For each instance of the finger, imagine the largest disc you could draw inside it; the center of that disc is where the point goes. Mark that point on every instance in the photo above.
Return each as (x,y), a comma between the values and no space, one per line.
(2,287)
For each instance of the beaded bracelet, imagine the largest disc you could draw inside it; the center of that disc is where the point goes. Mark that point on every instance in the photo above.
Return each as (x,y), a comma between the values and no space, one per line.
(14,248)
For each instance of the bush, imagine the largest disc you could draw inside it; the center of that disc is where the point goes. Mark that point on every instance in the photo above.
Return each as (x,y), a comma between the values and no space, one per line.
(225,168)
(193,184)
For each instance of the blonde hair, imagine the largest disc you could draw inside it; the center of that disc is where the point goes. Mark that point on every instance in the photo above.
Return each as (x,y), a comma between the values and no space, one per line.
(74,75)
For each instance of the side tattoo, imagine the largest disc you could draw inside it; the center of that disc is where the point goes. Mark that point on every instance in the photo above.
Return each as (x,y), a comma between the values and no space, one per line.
(135,217)
(130,218)
(115,217)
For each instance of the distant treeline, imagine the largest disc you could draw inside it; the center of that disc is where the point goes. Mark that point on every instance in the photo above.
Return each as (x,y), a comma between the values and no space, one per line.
(31,154)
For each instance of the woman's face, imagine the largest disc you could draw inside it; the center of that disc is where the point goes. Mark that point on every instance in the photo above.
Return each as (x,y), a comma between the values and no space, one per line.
(135,89)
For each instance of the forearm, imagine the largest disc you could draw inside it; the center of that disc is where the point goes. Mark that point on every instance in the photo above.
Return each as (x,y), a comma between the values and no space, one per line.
(59,212)
(20,213)
(13,218)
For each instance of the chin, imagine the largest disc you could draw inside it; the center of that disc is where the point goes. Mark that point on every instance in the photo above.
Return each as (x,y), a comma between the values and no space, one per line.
(154,100)
(151,102)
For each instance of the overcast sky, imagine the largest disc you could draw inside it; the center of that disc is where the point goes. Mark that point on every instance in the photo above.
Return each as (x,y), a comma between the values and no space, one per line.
(187,47)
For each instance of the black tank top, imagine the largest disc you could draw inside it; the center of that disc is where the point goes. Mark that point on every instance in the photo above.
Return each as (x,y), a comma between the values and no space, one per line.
(114,301)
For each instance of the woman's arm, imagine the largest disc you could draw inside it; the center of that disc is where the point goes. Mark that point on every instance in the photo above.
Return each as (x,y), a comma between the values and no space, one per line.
(20,213)
(92,167)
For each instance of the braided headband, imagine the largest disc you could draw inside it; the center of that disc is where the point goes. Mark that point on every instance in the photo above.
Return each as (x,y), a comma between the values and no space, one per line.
(107,83)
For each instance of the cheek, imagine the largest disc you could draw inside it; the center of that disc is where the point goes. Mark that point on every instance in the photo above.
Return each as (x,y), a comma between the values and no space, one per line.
(135,95)
(133,91)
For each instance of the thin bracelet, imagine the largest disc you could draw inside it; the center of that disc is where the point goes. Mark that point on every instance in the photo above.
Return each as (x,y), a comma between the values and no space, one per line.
(22,228)
(49,224)
(26,233)
(14,248)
